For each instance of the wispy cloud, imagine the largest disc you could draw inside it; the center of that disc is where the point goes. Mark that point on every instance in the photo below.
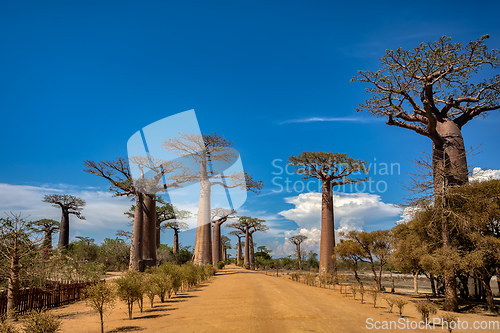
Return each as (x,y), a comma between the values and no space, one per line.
(326,119)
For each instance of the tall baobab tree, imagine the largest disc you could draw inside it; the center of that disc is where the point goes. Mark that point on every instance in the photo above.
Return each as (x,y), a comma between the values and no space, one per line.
(70,205)
(332,169)
(297,240)
(208,151)
(248,226)
(432,90)
(238,233)
(48,227)
(219,216)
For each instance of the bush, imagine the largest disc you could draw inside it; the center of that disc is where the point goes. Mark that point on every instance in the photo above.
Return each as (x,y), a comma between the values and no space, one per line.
(354,290)
(41,322)
(98,297)
(400,302)
(449,321)
(310,279)
(425,308)
(221,265)
(362,292)
(390,302)
(130,289)
(7,327)
(374,292)
(295,276)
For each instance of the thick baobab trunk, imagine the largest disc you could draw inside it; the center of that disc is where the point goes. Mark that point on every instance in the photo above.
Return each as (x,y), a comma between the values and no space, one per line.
(13,287)
(64,229)
(149,231)
(216,244)
(175,247)
(246,259)
(203,244)
(224,254)
(449,163)
(251,252)
(238,252)
(327,262)
(135,263)
(299,259)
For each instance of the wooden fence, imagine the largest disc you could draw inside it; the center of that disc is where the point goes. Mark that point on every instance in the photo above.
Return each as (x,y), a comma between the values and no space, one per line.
(53,295)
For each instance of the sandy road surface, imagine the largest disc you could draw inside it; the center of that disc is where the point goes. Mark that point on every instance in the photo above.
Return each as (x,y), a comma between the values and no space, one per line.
(237,300)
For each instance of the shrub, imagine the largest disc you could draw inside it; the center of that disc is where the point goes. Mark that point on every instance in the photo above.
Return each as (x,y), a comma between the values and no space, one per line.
(354,290)
(295,276)
(221,265)
(98,297)
(390,302)
(209,271)
(40,321)
(362,292)
(449,321)
(130,289)
(340,280)
(425,308)
(400,302)
(7,327)
(310,279)
(374,292)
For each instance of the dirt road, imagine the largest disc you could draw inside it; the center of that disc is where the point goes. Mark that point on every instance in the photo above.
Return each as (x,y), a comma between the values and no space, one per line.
(237,300)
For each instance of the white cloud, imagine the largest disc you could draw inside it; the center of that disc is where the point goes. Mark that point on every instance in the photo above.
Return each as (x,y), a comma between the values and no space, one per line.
(481,175)
(352,211)
(325,119)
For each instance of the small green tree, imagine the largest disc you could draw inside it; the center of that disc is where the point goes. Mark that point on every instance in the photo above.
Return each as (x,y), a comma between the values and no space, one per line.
(130,289)
(100,296)
(400,302)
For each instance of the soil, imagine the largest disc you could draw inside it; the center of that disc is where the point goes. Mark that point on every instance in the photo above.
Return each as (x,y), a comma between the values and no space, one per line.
(237,300)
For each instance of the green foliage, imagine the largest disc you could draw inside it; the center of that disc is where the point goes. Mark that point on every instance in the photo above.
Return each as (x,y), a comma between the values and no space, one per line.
(40,321)
(161,281)
(114,254)
(328,165)
(426,308)
(130,289)
(221,265)
(100,296)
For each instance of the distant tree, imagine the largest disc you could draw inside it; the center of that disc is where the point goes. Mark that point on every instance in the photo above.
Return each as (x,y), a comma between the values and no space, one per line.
(130,289)
(249,225)
(48,227)
(69,205)
(219,217)
(333,169)
(225,245)
(351,254)
(238,233)
(15,244)
(297,240)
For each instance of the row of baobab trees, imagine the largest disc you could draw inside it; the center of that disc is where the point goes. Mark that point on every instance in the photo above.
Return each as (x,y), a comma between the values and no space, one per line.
(429,90)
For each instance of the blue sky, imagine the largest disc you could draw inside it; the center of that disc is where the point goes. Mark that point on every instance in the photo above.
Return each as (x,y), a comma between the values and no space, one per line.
(78,78)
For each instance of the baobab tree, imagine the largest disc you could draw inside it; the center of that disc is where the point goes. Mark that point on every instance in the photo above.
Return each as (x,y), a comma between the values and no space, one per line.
(211,155)
(431,90)
(248,226)
(332,169)
(297,240)
(219,216)
(117,172)
(48,227)
(238,233)
(225,245)
(70,205)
